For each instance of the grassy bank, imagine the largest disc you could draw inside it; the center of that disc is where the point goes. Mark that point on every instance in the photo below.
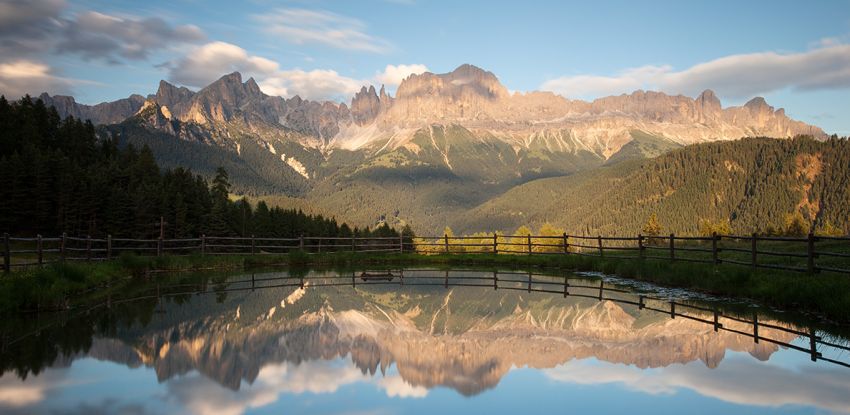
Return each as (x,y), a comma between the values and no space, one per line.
(54,287)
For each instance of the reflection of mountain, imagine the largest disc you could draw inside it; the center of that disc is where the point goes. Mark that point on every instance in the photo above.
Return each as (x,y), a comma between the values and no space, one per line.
(463,338)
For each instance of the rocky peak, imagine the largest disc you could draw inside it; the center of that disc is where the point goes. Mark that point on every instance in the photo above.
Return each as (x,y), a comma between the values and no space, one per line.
(252,89)
(365,106)
(103,113)
(758,105)
(170,95)
(707,100)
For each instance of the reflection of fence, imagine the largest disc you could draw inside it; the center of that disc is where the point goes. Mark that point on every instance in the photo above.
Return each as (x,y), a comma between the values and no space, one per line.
(813,343)
(811,254)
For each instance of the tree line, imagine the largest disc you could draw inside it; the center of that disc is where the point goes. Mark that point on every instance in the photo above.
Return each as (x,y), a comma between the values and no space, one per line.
(57,176)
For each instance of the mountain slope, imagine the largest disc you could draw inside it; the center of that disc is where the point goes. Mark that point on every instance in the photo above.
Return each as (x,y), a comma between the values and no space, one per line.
(444,144)
(754,183)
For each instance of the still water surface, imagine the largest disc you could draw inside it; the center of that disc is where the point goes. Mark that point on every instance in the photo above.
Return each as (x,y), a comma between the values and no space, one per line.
(431,342)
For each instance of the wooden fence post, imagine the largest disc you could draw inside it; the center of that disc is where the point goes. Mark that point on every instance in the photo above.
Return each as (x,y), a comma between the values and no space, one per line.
(203,245)
(495,243)
(88,247)
(7,254)
(159,246)
(40,249)
(754,251)
(108,246)
(714,239)
(400,243)
(253,244)
(301,242)
(446,237)
(672,246)
(353,244)
(756,327)
(62,247)
(640,246)
(566,243)
(529,244)
(601,251)
(813,344)
(810,254)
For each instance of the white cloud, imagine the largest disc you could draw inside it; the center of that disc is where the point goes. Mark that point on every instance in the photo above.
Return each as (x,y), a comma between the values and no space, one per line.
(301,26)
(209,62)
(394,74)
(735,76)
(318,84)
(23,76)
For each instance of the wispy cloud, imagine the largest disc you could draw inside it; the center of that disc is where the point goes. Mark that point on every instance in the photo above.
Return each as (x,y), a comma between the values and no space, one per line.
(735,76)
(31,30)
(96,35)
(302,26)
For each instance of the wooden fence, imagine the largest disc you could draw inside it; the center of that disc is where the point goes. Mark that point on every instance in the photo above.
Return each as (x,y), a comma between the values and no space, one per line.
(811,254)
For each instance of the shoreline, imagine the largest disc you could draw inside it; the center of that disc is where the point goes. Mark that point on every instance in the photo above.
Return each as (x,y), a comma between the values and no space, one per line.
(826,297)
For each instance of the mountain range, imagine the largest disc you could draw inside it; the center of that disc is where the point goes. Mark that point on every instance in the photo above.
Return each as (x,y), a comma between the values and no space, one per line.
(444,144)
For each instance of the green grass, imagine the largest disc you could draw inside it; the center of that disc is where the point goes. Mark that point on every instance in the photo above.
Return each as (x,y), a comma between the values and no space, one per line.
(825,295)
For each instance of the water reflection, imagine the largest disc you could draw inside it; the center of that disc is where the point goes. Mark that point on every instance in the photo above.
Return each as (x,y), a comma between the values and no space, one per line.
(232,345)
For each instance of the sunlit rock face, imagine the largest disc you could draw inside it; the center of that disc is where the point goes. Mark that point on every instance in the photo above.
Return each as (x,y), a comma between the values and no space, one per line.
(469,97)
(441,338)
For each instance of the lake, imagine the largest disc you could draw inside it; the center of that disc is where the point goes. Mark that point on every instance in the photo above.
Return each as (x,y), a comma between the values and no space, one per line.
(419,341)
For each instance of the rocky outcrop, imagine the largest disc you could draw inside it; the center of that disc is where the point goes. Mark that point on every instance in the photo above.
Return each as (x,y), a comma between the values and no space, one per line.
(366,105)
(103,113)
(469,97)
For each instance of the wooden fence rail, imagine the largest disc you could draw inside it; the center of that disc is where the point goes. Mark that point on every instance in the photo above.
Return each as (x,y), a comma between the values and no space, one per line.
(811,254)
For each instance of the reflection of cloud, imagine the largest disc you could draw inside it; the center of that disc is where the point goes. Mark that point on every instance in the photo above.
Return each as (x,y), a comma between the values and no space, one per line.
(16,393)
(104,407)
(739,380)
(200,395)
(396,386)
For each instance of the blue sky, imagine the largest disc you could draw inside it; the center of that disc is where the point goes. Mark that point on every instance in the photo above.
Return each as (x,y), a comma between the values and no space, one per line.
(795,54)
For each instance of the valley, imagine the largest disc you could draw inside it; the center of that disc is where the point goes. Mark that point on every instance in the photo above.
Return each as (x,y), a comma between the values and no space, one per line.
(460,150)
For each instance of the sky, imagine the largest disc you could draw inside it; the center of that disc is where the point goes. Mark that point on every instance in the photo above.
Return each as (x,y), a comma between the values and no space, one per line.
(795,54)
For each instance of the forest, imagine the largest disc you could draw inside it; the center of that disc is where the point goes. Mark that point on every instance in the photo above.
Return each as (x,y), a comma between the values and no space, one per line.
(57,177)
(763,185)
